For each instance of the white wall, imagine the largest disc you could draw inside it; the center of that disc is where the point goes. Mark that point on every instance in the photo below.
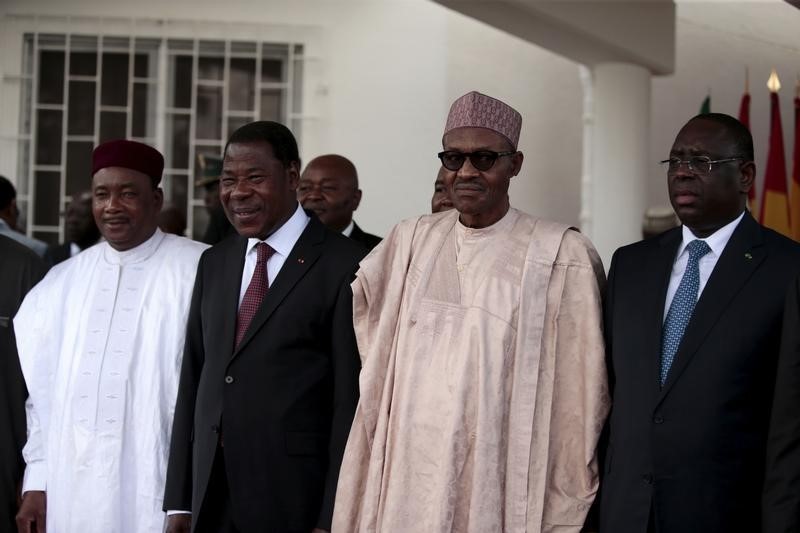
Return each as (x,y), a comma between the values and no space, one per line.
(382,74)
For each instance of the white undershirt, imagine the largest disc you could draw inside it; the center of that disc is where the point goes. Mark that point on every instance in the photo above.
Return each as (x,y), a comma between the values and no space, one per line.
(282,241)
(716,241)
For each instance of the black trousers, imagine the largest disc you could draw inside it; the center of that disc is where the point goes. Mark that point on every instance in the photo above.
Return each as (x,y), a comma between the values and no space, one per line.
(216,514)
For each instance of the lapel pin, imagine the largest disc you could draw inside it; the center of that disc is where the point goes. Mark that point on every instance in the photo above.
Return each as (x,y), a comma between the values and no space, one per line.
(748,255)
(301,260)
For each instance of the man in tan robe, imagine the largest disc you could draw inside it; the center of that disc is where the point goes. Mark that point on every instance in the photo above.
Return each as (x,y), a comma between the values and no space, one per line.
(483,389)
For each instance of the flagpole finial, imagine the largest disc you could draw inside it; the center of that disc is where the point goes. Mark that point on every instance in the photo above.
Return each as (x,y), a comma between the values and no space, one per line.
(773,83)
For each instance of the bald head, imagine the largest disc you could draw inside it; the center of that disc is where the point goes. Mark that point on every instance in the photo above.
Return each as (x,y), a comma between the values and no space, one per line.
(329,187)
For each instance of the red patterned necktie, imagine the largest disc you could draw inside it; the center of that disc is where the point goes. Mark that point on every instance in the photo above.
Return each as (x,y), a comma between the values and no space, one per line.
(255,293)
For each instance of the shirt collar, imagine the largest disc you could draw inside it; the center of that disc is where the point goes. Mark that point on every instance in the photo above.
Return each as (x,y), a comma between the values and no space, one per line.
(284,238)
(136,254)
(716,241)
(349,229)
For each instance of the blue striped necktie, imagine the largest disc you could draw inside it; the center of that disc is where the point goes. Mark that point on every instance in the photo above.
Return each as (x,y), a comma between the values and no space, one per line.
(682,306)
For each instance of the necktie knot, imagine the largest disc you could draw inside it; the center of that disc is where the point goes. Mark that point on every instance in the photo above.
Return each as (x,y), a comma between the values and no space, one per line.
(697,249)
(263,252)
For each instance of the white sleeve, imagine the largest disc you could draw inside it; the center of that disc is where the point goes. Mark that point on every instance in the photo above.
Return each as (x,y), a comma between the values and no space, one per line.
(33,453)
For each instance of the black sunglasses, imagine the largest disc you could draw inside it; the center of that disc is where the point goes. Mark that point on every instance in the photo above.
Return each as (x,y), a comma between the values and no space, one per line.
(481,160)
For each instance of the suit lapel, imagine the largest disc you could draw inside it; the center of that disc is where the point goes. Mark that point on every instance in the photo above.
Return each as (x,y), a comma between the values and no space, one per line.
(304,254)
(230,289)
(743,254)
(658,268)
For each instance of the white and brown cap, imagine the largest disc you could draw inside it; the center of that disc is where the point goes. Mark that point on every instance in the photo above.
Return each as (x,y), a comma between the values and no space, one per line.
(476,110)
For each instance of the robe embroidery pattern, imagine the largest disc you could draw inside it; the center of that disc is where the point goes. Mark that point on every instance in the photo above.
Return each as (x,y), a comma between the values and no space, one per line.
(471,417)
(100,346)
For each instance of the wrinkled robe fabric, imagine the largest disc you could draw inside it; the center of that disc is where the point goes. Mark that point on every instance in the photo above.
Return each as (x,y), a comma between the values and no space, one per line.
(483,388)
(100,343)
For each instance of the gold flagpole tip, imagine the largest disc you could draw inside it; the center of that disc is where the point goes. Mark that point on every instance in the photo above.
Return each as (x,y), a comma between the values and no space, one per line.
(773,83)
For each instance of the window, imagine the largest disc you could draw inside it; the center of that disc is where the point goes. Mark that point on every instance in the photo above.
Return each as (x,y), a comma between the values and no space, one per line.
(184,96)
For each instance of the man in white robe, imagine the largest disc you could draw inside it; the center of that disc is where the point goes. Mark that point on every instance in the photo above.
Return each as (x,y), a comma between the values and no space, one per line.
(100,343)
(483,388)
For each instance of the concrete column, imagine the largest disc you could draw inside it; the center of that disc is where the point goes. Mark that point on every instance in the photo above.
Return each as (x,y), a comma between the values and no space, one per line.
(616,131)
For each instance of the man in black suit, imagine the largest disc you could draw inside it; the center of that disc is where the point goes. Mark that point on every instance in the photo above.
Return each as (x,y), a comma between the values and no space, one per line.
(782,479)
(20,269)
(329,188)
(693,324)
(80,229)
(269,382)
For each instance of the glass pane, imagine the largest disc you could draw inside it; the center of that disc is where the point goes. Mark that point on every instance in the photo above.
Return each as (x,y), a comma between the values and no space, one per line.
(182,82)
(51,77)
(47,199)
(26,105)
(141,66)
(178,141)
(23,167)
(80,118)
(200,222)
(112,125)
(272,105)
(272,70)
(50,237)
(144,105)
(114,90)
(176,191)
(79,167)
(83,63)
(210,68)
(234,123)
(209,113)
(48,137)
(242,84)
(199,191)
(297,87)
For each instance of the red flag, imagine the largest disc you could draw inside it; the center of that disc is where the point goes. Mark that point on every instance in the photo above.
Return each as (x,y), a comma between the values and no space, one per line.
(744,118)
(775,200)
(794,213)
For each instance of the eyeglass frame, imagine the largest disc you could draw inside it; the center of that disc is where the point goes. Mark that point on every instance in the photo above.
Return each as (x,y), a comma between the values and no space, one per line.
(468,155)
(710,163)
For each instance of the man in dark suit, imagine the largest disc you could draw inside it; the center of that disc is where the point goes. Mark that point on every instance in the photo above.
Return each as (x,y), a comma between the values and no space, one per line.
(269,382)
(782,479)
(80,229)
(693,324)
(20,269)
(329,188)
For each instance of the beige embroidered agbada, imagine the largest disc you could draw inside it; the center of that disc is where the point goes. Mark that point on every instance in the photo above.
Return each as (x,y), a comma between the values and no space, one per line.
(483,389)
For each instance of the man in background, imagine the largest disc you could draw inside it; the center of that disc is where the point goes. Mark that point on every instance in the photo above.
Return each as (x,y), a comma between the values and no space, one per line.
(440,201)
(20,269)
(219,226)
(9,217)
(329,188)
(80,229)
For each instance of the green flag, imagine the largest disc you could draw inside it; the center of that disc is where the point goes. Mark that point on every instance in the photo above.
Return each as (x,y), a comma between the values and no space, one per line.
(706,106)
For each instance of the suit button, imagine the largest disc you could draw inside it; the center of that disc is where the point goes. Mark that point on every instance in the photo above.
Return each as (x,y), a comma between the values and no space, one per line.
(228,379)
(215,428)
(658,420)
(647,478)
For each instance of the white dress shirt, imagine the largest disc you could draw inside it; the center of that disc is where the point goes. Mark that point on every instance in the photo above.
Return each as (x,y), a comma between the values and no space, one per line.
(716,241)
(282,241)
(349,229)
